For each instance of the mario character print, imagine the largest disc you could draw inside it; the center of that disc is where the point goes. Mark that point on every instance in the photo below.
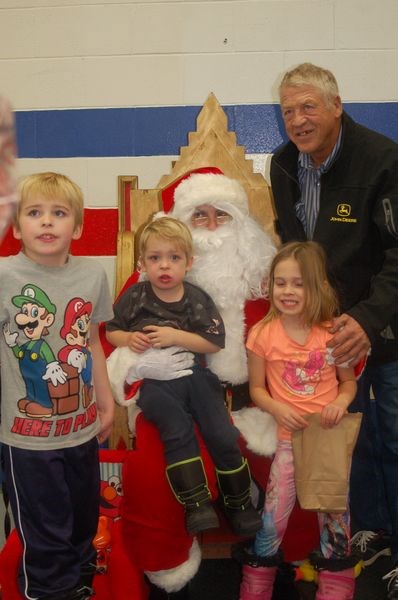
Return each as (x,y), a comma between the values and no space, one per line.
(37,362)
(75,332)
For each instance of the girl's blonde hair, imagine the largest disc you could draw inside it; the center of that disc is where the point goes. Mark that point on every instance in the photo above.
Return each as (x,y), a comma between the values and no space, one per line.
(320,299)
(168,229)
(51,186)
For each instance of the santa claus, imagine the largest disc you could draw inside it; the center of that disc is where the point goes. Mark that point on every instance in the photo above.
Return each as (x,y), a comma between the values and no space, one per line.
(231,261)
(232,257)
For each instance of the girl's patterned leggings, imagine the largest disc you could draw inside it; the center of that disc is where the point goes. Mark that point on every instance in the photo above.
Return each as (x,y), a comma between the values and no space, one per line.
(279,502)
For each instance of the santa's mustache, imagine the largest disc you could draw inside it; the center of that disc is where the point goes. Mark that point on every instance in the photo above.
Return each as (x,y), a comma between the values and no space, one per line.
(204,239)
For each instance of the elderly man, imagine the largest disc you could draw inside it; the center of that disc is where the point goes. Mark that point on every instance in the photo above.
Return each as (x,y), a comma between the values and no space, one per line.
(336,182)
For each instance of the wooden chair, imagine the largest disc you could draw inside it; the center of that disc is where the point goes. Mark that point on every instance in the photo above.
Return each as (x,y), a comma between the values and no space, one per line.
(210,145)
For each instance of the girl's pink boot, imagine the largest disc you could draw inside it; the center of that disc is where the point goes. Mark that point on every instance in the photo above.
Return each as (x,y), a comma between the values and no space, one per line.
(336,585)
(257,583)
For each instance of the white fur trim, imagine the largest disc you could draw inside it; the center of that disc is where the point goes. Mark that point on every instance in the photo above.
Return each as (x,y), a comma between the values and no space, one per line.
(258,428)
(208,188)
(173,580)
(119,364)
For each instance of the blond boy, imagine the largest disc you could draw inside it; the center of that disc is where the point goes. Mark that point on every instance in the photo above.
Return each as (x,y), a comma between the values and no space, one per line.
(56,399)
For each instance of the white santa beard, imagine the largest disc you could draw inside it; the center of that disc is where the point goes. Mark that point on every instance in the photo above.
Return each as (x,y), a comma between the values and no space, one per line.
(218,269)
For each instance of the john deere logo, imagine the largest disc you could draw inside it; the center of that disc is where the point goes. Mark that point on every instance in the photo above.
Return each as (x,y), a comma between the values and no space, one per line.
(344,210)
(343,213)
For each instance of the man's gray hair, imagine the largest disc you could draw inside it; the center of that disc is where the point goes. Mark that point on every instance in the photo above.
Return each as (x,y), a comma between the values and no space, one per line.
(309,74)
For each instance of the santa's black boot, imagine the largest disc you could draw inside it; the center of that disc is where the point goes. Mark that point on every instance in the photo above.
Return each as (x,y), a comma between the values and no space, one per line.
(235,488)
(157,593)
(189,484)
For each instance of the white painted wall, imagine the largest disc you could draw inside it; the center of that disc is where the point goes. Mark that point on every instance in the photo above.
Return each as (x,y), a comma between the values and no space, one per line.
(57,54)
(66,54)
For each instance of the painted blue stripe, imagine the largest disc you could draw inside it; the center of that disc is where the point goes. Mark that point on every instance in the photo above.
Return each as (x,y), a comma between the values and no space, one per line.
(162,131)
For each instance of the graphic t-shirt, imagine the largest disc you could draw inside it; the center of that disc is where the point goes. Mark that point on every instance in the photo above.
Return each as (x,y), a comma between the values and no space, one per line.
(302,375)
(195,312)
(46,365)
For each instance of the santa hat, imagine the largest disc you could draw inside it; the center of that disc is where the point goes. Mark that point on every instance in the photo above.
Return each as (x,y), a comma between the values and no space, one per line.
(168,192)
(206,185)
(209,188)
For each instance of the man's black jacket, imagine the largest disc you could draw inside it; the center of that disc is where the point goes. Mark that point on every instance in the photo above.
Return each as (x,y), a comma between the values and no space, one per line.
(357,226)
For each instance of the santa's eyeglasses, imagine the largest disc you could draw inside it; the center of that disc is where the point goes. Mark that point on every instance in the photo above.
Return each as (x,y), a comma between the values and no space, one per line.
(200,218)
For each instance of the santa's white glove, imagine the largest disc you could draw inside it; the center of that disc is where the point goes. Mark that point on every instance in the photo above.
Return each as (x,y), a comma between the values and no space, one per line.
(161,363)
(10,338)
(55,373)
(77,359)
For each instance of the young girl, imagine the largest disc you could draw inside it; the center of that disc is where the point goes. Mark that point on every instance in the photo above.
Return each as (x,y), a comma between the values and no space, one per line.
(291,373)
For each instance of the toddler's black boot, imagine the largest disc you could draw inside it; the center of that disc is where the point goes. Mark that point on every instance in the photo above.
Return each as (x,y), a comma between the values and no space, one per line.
(235,491)
(188,481)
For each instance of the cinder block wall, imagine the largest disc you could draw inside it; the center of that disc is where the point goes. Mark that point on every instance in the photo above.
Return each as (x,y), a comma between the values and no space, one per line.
(158,60)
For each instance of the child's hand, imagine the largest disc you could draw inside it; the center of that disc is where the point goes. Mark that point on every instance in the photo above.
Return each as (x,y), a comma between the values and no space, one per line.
(138,342)
(331,415)
(162,337)
(288,418)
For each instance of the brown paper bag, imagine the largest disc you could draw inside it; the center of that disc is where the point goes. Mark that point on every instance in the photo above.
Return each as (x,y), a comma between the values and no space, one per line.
(322,462)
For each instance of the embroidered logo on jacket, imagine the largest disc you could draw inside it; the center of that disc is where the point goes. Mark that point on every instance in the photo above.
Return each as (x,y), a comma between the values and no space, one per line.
(343,212)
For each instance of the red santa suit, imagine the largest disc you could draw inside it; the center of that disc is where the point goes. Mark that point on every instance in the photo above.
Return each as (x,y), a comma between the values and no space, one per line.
(231,265)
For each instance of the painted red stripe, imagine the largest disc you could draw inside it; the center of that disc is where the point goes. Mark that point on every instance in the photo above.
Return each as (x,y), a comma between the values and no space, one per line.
(99,235)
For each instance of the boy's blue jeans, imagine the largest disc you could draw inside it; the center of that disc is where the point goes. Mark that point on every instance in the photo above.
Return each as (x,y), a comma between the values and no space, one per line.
(374,474)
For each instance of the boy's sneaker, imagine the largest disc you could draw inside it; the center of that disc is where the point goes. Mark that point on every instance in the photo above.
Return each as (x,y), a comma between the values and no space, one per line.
(370,545)
(392,585)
